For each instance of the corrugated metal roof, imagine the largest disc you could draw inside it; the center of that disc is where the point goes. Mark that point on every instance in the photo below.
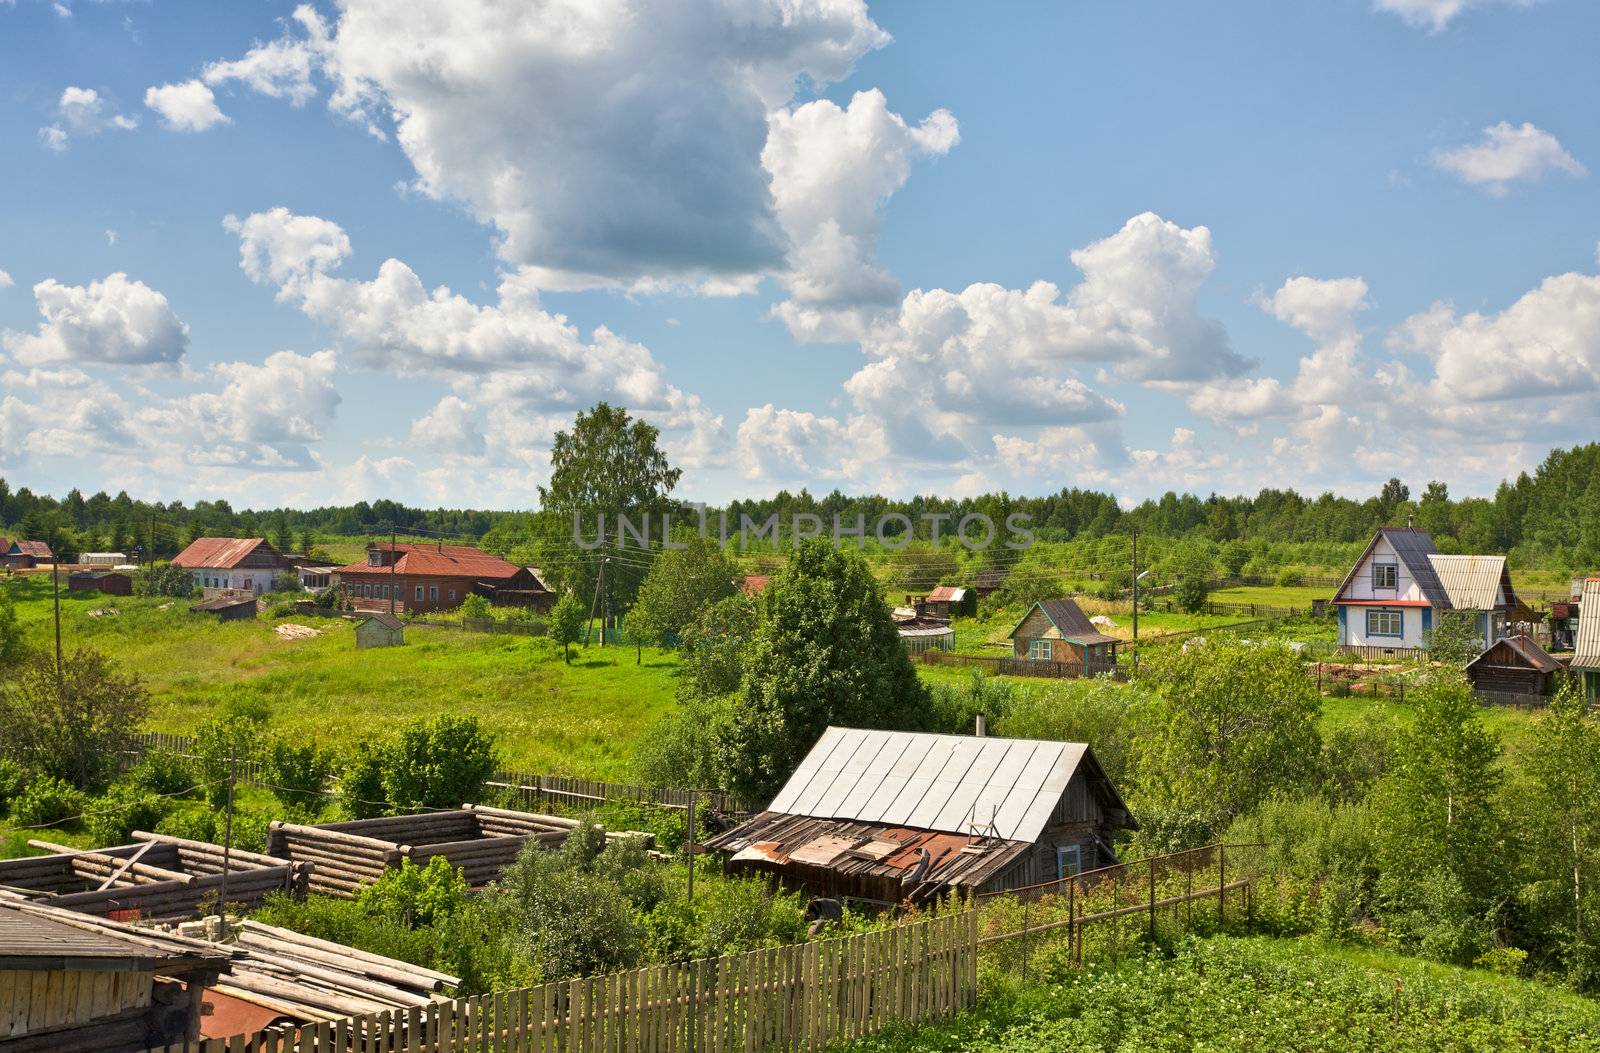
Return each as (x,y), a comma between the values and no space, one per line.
(1471,582)
(1586,650)
(440,561)
(1067,616)
(947,594)
(222,553)
(952,783)
(36,549)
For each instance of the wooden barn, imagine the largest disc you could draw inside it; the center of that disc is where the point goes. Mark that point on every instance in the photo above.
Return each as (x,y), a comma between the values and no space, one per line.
(157,877)
(380,630)
(74,984)
(109,582)
(887,817)
(1514,665)
(1059,631)
(951,601)
(227,608)
(480,840)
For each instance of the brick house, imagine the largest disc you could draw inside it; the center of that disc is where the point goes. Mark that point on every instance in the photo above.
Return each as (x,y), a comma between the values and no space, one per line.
(436,577)
(237,564)
(1059,631)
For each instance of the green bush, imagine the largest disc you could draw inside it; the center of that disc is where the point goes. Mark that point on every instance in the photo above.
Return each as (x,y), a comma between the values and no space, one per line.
(47,801)
(361,792)
(297,773)
(222,745)
(416,895)
(475,606)
(440,763)
(13,777)
(164,772)
(164,580)
(193,820)
(1290,578)
(112,818)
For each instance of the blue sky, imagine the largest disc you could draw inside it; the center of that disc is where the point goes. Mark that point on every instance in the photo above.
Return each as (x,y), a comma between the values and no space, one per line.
(321,253)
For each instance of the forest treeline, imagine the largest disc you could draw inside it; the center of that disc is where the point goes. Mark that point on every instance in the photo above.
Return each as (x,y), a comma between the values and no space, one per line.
(1549,517)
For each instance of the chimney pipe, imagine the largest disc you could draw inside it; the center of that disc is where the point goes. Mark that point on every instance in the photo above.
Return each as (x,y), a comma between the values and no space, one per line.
(983,727)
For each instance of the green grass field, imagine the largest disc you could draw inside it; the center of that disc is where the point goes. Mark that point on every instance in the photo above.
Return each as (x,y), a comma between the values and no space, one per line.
(1296,596)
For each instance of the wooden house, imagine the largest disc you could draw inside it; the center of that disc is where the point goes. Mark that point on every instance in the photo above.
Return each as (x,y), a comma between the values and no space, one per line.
(380,630)
(1514,665)
(110,582)
(888,816)
(1059,631)
(1393,596)
(234,564)
(435,577)
(951,601)
(23,555)
(1586,640)
(70,983)
(227,607)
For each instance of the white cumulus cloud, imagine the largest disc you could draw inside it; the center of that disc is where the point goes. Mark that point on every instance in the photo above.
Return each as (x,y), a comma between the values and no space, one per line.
(186,107)
(115,320)
(1434,15)
(1508,154)
(84,112)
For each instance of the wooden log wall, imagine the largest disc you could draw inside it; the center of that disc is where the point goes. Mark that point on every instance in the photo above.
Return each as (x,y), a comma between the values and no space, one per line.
(807,996)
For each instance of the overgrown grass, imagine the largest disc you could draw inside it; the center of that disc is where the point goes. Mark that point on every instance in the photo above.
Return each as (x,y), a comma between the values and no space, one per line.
(1259,995)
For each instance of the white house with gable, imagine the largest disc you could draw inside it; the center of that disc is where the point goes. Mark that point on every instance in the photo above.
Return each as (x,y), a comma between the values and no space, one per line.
(1393,596)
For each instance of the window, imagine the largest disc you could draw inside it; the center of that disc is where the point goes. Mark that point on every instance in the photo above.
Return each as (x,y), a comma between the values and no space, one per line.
(433,593)
(1039,650)
(247,583)
(1385,575)
(452,595)
(1069,860)
(419,593)
(1386,623)
(374,559)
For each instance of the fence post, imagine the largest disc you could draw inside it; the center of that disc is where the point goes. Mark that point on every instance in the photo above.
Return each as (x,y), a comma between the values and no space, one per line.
(1222,881)
(1152,902)
(1025,925)
(1072,915)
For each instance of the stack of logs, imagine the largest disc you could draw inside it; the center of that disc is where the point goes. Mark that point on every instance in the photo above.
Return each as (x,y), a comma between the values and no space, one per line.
(311,979)
(479,840)
(158,876)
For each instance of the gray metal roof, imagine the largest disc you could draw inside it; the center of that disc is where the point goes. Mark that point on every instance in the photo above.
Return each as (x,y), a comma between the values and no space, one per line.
(1586,650)
(1471,582)
(954,783)
(1414,547)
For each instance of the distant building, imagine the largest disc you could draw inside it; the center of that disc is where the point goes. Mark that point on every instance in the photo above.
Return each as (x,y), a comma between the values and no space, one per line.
(238,564)
(227,607)
(951,601)
(926,634)
(1059,631)
(23,555)
(109,582)
(888,816)
(102,559)
(435,577)
(380,630)
(1395,593)
(1586,646)
(754,584)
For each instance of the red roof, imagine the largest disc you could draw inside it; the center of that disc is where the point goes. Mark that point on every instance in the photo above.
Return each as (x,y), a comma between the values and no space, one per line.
(947,594)
(755,583)
(222,553)
(36,549)
(438,561)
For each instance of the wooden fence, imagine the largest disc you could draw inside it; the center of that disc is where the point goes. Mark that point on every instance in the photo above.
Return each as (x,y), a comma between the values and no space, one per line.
(1370,652)
(804,996)
(531,788)
(1018,666)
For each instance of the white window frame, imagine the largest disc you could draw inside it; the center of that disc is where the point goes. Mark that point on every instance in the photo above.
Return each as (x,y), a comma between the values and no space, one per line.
(1382,616)
(1065,853)
(419,593)
(433,594)
(1039,651)
(1390,579)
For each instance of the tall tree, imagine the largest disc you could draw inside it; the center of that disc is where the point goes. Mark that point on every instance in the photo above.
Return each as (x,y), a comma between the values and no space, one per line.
(76,724)
(827,652)
(680,584)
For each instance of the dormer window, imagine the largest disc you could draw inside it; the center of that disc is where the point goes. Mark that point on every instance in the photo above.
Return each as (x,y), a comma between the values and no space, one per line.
(374,558)
(1385,575)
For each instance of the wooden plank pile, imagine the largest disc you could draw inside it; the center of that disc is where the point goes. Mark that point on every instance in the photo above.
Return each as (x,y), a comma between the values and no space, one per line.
(479,840)
(158,876)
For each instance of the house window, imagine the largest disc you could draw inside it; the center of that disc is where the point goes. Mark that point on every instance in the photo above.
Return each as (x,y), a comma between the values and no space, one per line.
(1385,575)
(419,593)
(452,595)
(247,583)
(1385,623)
(374,559)
(1069,860)
(433,593)
(1039,650)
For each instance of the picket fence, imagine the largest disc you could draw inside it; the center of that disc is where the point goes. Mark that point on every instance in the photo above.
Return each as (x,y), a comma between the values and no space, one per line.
(803,996)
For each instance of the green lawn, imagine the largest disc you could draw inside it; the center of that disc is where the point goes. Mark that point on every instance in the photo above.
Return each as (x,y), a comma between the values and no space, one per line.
(1257,995)
(1297,596)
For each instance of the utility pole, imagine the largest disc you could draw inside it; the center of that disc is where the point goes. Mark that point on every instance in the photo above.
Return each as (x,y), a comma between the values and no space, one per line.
(1136,599)
(691,847)
(594,605)
(227,844)
(150,553)
(55,582)
(394,559)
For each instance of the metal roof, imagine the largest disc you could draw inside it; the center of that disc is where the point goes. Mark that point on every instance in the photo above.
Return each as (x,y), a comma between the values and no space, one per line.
(947,594)
(1471,582)
(224,553)
(435,560)
(1586,650)
(953,783)
(1412,547)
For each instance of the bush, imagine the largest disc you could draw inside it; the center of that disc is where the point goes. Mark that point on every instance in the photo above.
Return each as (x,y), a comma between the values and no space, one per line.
(475,606)
(164,772)
(416,895)
(440,763)
(47,801)
(222,745)
(286,581)
(361,792)
(74,722)
(296,773)
(195,821)
(1290,577)
(164,580)
(112,818)
(13,777)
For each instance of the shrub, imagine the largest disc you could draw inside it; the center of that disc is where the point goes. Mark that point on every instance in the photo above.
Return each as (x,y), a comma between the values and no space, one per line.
(164,772)
(416,895)
(164,580)
(111,819)
(571,920)
(222,745)
(13,777)
(361,792)
(1290,577)
(286,581)
(440,763)
(475,606)
(73,725)
(296,773)
(47,801)
(195,821)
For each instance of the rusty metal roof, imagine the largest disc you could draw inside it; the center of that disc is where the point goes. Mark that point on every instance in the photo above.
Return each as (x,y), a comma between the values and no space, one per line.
(1586,649)
(947,594)
(950,783)
(224,553)
(1472,582)
(439,561)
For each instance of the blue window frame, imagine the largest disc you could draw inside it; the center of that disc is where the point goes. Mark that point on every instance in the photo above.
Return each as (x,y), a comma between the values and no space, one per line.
(1386,623)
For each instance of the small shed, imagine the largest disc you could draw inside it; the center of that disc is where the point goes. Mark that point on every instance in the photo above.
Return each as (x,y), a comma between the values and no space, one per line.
(951,601)
(227,607)
(106,581)
(1059,631)
(1514,665)
(888,816)
(380,630)
(74,984)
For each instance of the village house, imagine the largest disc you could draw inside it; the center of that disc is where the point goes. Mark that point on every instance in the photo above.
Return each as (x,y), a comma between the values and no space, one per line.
(1514,665)
(23,555)
(889,816)
(434,577)
(1393,596)
(1586,644)
(1059,631)
(238,564)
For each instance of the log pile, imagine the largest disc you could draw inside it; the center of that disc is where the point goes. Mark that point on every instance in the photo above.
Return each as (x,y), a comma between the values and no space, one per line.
(478,840)
(158,876)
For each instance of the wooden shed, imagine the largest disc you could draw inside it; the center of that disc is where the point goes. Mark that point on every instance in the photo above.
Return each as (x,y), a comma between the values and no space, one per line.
(75,984)
(887,817)
(380,630)
(227,608)
(1059,631)
(480,840)
(157,877)
(109,582)
(951,601)
(1514,665)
